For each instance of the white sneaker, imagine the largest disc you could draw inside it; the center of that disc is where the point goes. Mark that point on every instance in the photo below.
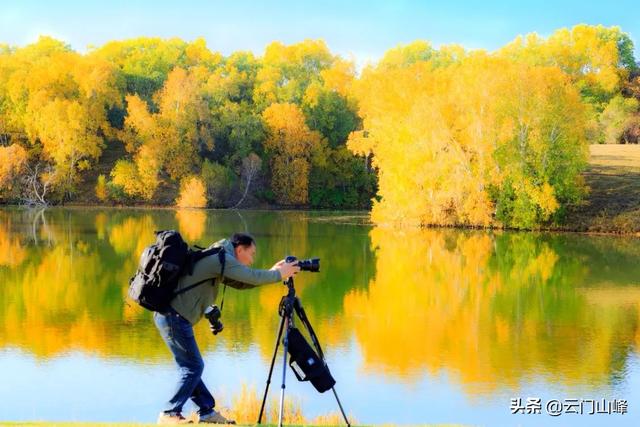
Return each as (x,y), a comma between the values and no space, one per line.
(215,418)
(165,418)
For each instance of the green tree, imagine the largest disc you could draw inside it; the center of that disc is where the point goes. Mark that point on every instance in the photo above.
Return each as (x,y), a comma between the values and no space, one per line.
(287,71)
(616,118)
(219,181)
(343,182)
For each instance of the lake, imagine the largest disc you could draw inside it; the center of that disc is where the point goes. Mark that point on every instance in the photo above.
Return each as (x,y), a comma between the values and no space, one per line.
(418,326)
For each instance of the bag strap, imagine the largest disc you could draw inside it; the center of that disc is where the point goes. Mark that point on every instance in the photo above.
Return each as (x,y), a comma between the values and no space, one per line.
(222,259)
(312,334)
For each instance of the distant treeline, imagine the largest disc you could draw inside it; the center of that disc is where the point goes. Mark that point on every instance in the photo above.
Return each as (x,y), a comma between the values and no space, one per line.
(432,136)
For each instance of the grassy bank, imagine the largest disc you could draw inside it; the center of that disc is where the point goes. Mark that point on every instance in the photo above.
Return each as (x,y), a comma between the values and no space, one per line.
(613,203)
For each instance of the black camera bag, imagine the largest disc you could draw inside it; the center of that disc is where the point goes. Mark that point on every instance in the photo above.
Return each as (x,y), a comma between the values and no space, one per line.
(306,364)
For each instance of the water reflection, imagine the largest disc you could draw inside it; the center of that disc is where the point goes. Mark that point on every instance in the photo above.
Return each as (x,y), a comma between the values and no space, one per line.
(490,310)
(65,275)
(496,310)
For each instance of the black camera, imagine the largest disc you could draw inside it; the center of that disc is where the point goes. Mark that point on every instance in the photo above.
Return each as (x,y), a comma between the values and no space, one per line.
(312,264)
(212,313)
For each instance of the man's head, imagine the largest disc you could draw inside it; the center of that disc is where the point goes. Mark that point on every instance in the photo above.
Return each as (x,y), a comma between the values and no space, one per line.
(244,248)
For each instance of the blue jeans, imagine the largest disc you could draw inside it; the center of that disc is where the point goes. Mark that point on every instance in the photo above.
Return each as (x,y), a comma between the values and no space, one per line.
(177,332)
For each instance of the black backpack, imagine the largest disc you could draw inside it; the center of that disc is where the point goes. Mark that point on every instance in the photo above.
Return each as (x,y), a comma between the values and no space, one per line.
(161,265)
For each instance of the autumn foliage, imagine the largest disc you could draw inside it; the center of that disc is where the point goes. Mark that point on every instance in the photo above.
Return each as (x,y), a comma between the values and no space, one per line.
(292,147)
(13,160)
(192,193)
(424,136)
(464,144)
(490,139)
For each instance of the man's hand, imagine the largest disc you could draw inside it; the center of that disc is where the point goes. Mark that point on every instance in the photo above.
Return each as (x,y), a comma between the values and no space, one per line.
(286,269)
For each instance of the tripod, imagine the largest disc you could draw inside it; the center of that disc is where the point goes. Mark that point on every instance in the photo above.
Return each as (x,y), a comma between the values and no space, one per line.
(288,304)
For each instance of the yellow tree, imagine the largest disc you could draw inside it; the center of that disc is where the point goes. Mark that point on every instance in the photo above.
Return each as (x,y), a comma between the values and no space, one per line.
(169,139)
(145,62)
(60,100)
(193,193)
(140,177)
(424,151)
(287,71)
(461,144)
(13,160)
(8,125)
(597,58)
(101,190)
(292,147)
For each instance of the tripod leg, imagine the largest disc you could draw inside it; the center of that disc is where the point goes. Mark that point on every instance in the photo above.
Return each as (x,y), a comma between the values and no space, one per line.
(273,360)
(284,370)
(340,405)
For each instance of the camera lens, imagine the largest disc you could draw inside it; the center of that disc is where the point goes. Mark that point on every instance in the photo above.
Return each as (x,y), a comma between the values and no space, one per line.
(312,265)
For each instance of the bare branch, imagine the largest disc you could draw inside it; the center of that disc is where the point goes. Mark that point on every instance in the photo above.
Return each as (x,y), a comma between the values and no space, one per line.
(250,167)
(36,185)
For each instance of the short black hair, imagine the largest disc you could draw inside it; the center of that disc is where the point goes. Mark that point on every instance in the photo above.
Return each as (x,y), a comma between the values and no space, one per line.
(242,239)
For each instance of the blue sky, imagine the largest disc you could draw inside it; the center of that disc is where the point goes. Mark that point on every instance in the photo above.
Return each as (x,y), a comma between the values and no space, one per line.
(364,29)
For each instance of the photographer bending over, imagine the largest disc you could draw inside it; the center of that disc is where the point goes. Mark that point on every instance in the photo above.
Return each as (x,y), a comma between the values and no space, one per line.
(187,308)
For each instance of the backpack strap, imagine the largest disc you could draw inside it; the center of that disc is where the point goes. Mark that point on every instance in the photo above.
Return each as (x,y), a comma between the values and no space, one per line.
(188,288)
(221,258)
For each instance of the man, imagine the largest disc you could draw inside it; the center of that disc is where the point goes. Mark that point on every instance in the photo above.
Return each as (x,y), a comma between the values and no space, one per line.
(176,325)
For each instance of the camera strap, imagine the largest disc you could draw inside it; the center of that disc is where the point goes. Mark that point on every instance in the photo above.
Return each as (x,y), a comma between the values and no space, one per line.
(302,315)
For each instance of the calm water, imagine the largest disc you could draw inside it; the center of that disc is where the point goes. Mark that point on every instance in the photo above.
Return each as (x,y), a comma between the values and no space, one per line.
(421,326)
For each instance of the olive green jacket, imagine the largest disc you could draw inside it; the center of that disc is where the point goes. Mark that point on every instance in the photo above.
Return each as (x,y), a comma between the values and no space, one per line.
(192,303)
